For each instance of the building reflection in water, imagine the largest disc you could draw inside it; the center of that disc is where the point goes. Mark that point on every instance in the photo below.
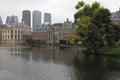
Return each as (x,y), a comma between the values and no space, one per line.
(20,51)
(45,53)
(81,66)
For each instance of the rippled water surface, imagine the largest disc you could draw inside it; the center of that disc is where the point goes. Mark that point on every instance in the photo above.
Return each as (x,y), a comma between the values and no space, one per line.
(19,62)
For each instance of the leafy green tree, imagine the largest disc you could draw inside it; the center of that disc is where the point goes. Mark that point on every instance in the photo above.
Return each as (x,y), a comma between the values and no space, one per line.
(116,35)
(92,21)
(109,36)
(92,39)
(73,38)
(29,40)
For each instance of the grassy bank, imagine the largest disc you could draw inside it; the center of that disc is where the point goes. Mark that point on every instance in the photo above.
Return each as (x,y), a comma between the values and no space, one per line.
(113,51)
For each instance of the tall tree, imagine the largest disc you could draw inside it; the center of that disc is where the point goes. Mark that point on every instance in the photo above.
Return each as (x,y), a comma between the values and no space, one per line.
(91,20)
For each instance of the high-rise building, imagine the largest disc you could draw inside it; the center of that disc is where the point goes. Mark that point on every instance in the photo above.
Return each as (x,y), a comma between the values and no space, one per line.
(11,20)
(26,17)
(36,20)
(1,23)
(8,20)
(14,19)
(47,18)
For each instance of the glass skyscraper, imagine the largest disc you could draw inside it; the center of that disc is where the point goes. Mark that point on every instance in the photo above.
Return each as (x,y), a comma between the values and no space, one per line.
(47,18)
(37,21)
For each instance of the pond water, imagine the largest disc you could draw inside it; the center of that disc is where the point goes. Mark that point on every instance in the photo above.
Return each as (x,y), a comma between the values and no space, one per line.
(19,62)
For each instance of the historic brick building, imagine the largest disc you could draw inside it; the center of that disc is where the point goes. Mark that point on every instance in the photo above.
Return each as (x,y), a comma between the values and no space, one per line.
(54,34)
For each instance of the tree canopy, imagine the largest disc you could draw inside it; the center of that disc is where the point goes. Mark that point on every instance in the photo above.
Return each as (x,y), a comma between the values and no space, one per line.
(94,26)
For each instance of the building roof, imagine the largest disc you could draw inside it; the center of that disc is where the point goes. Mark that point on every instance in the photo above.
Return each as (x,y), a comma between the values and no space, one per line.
(115,15)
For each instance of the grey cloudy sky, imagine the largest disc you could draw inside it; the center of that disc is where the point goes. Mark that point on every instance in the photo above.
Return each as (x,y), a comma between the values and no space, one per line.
(60,9)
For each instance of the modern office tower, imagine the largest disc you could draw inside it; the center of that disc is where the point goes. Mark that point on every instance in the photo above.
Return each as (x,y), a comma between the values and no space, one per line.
(1,23)
(26,17)
(47,18)
(12,19)
(8,20)
(36,20)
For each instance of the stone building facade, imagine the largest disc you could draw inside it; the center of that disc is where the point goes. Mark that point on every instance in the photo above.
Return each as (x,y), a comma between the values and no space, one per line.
(46,36)
(9,35)
(54,34)
(62,33)
(117,22)
(115,17)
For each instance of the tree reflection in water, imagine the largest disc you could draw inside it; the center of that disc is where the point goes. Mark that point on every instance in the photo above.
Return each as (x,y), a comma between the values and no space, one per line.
(80,66)
(95,68)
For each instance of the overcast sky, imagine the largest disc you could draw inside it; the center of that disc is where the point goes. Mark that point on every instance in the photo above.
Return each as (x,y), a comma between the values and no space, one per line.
(60,9)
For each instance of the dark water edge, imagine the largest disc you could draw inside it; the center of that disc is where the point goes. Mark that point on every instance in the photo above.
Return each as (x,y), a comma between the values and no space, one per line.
(48,62)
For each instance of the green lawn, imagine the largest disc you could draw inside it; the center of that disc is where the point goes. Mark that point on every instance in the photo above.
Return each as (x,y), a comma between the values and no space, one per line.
(114,51)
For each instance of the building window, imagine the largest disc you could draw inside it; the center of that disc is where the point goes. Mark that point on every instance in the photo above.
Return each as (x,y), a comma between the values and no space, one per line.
(18,32)
(12,34)
(15,36)
(15,31)
(18,37)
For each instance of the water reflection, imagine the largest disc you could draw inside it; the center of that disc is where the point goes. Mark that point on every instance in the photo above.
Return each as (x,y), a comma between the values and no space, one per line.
(19,51)
(96,68)
(59,63)
(46,53)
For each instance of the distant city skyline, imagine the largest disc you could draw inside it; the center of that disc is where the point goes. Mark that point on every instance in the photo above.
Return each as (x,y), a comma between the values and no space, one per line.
(59,9)
(11,19)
